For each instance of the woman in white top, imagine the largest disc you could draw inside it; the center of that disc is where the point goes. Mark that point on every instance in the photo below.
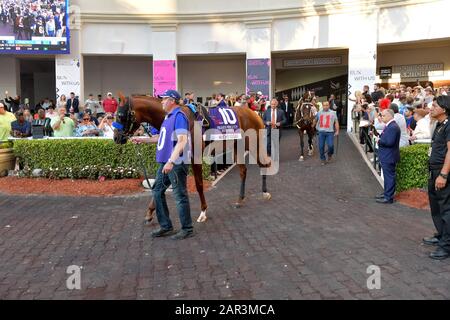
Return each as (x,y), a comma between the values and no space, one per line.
(62,102)
(106,126)
(422,130)
(401,122)
(377,122)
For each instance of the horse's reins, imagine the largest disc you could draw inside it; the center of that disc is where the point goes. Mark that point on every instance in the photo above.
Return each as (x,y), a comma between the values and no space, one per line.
(139,154)
(302,116)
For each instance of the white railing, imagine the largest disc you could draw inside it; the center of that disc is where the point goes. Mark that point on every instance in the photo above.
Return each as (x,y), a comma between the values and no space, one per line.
(422,141)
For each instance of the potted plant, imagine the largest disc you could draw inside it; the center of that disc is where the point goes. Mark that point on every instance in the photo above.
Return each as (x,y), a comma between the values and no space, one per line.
(7,158)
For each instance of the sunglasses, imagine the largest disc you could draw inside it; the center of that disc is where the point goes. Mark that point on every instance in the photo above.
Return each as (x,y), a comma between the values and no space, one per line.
(87,119)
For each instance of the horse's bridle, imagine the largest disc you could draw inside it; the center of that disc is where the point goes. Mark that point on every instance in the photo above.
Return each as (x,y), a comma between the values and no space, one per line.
(302,116)
(127,117)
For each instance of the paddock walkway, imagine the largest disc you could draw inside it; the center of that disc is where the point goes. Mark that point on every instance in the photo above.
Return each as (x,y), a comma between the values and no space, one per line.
(314,240)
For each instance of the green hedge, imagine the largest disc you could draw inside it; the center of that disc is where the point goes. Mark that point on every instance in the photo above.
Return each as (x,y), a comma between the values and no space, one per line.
(87,159)
(412,171)
(5,145)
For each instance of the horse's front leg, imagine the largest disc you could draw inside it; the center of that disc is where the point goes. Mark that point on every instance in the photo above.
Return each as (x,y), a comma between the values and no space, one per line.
(302,145)
(198,175)
(310,141)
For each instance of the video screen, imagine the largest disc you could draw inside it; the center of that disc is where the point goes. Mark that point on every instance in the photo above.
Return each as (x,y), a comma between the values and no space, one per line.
(34,27)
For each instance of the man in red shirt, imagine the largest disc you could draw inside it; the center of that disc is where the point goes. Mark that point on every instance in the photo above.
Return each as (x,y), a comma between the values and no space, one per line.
(110,104)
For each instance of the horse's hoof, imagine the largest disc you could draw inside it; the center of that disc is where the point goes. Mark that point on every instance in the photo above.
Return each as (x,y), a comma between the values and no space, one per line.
(239,204)
(148,222)
(267,196)
(301,159)
(202,218)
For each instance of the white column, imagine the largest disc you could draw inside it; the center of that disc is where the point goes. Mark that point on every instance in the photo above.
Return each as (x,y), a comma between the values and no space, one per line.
(69,68)
(362,59)
(259,48)
(165,65)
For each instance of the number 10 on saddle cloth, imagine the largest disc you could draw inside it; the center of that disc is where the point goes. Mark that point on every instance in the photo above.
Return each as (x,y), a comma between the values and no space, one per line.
(224,126)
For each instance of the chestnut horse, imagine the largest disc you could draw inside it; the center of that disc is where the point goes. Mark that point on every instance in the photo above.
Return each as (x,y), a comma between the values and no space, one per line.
(303,119)
(138,109)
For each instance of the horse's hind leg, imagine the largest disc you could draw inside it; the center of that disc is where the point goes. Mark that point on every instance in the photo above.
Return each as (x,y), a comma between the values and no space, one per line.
(198,175)
(266,195)
(243,173)
(302,145)
(150,215)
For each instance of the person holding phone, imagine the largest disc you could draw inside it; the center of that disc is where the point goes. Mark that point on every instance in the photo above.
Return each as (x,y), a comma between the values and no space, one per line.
(63,126)
(106,126)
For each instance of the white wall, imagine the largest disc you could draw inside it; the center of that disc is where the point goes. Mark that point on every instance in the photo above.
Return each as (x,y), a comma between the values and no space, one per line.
(411,23)
(197,6)
(226,75)
(129,30)
(116,39)
(211,38)
(130,75)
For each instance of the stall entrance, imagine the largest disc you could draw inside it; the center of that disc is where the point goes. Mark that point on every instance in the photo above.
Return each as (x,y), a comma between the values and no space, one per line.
(323,72)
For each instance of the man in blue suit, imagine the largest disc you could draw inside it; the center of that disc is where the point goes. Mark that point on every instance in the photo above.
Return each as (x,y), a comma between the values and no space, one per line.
(74,103)
(274,118)
(389,154)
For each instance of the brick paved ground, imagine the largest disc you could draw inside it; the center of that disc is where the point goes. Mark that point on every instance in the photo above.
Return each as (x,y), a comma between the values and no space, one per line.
(315,239)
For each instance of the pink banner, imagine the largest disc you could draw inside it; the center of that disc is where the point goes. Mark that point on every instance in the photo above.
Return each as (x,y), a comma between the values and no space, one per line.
(258,76)
(164,76)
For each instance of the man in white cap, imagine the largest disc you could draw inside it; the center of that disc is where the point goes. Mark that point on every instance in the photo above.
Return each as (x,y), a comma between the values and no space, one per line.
(110,104)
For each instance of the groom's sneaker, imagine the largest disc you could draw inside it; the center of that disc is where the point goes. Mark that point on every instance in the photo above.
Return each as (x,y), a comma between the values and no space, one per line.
(161,233)
(183,234)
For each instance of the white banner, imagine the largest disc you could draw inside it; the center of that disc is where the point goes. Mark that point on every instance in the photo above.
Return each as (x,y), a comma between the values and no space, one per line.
(362,70)
(68,76)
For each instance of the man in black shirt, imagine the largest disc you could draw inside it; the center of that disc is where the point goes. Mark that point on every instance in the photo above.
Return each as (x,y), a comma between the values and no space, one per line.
(377,94)
(438,187)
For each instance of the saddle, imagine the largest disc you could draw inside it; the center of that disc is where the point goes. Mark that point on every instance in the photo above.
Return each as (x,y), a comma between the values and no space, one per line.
(200,114)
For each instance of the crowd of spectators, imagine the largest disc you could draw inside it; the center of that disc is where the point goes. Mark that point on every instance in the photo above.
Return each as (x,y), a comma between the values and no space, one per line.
(411,106)
(66,118)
